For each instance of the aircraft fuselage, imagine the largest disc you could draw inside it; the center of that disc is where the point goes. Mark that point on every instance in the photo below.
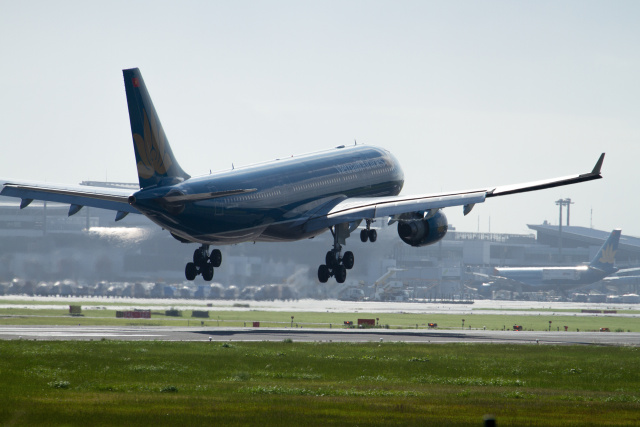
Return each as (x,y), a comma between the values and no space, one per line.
(280,195)
(549,277)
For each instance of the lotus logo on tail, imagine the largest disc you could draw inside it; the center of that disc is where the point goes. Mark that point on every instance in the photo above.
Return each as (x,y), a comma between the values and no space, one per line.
(151,149)
(608,255)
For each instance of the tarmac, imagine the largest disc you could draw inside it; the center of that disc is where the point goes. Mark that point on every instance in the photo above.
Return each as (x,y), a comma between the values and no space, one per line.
(226,334)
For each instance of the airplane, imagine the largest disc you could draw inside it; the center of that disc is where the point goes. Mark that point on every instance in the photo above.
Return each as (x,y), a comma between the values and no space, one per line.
(547,278)
(288,199)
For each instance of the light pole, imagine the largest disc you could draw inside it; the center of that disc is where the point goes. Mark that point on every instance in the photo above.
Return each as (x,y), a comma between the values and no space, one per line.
(560,203)
(568,204)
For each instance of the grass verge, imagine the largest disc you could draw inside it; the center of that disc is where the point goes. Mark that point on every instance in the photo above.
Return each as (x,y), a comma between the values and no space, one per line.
(169,383)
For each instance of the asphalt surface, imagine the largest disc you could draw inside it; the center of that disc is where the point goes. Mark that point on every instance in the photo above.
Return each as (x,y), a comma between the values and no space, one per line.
(221,334)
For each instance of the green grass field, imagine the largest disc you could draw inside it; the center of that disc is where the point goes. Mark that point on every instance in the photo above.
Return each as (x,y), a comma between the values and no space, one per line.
(313,384)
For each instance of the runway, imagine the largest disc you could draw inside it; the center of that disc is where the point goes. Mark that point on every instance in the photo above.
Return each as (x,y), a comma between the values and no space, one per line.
(222,334)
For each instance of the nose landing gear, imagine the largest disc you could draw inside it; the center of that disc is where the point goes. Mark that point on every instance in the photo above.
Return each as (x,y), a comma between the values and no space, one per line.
(203,263)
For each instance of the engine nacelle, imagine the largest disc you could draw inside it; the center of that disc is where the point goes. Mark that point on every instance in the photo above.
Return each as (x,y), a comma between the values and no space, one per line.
(423,232)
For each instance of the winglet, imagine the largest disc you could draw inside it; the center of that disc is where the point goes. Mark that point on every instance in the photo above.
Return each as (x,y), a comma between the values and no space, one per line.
(548,183)
(598,166)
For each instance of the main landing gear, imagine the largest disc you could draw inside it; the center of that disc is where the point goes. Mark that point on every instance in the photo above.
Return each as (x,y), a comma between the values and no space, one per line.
(336,265)
(368,233)
(203,263)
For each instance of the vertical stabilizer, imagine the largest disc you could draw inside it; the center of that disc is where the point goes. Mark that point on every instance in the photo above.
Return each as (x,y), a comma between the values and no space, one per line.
(154,158)
(606,256)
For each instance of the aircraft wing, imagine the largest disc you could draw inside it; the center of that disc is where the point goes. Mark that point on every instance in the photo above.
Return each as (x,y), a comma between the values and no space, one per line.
(498,280)
(625,276)
(77,196)
(357,208)
(628,271)
(621,280)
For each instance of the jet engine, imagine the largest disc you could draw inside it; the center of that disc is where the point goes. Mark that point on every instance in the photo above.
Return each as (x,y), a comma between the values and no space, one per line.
(422,232)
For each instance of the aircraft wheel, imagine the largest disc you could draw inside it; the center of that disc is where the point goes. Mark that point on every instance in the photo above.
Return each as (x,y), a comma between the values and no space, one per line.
(341,274)
(373,235)
(216,257)
(364,236)
(190,271)
(331,260)
(323,273)
(199,257)
(348,260)
(207,272)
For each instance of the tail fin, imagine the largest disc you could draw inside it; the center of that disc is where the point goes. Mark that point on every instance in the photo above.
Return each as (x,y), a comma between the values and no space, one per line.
(156,163)
(605,258)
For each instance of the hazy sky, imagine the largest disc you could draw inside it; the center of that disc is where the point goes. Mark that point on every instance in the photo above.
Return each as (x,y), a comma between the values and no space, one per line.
(466,94)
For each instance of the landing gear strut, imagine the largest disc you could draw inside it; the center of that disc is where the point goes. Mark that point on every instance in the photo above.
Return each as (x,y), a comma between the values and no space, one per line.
(203,263)
(336,265)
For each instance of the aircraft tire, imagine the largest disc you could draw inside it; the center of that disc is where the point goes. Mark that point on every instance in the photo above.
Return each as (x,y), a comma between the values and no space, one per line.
(348,259)
(373,235)
(364,236)
(341,274)
(331,260)
(323,273)
(216,257)
(199,257)
(207,272)
(190,271)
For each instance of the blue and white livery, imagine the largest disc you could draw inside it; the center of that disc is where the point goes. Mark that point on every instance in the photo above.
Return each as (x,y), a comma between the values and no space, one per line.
(547,278)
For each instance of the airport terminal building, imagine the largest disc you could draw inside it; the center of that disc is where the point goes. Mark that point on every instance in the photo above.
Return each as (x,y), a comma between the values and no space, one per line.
(42,243)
